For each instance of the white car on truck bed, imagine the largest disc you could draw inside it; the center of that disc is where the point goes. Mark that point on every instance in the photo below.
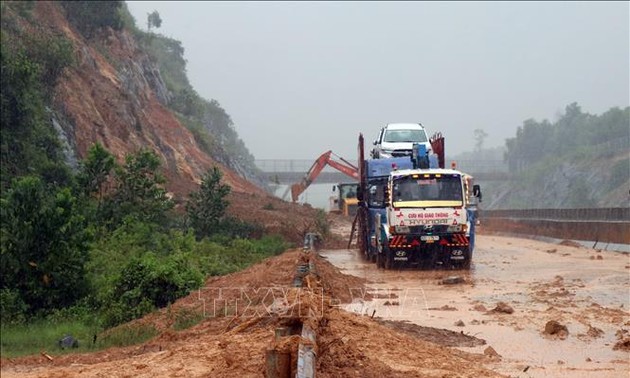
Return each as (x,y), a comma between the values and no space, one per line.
(397,140)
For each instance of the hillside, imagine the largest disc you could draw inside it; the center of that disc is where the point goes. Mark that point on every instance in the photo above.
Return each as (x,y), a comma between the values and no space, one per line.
(113,92)
(585,182)
(581,160)
(121,188)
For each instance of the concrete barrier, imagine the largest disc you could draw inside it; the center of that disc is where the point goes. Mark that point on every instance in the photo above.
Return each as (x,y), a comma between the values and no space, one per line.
(610,225)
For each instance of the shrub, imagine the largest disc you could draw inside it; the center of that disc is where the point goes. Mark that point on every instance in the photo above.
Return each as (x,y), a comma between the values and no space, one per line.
(44,245)
(148,282)
(90,16)
(13,308)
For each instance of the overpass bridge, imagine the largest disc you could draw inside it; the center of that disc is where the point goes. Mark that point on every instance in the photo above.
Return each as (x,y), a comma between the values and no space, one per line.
(289,171)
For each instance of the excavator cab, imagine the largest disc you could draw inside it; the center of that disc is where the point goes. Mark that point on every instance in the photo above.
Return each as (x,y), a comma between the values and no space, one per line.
(344,199)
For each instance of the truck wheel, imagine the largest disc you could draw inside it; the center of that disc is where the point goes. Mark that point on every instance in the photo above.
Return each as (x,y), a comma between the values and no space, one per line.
(466,263)
(467,260)
(389,260)
(379,260)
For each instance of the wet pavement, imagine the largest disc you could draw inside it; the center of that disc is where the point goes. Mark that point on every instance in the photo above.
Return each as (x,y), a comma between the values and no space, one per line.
(586,290)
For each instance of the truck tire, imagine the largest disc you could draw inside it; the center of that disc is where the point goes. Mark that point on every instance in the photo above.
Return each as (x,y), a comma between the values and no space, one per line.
(465,265)
(467,261)
(380,261)
(389,259)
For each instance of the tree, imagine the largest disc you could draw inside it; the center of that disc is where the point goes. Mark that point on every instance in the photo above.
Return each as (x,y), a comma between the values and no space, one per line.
(44,243)
(207,207)
(154,20)
(140,192)
(480,136)
(28,142)
(95,170)
(90,16)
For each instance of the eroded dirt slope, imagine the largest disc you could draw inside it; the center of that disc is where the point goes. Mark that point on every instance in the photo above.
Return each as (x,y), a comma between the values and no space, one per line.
(115,95)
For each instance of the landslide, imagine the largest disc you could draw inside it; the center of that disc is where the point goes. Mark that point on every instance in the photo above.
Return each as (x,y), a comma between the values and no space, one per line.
(234,344)
(115,95)
(290,220)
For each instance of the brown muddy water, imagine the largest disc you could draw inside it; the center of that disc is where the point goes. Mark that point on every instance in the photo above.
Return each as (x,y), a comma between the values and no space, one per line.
(586,290)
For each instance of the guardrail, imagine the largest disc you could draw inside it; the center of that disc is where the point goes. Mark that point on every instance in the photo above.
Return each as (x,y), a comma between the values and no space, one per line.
(604,214)
(609,225)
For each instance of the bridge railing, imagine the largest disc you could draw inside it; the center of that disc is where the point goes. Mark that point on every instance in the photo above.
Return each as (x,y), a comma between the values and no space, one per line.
(303,165)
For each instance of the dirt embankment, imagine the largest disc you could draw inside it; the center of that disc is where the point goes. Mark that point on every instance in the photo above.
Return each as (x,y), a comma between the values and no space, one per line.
(241,311)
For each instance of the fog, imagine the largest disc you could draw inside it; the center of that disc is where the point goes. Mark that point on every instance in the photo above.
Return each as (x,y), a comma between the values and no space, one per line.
(300,78)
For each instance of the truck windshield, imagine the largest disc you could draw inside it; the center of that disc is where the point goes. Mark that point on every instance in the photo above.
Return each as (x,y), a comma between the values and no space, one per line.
(424,190)
(402,136)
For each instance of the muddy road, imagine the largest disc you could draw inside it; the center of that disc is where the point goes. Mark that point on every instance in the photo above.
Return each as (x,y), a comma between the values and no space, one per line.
(582,289)
(486,322)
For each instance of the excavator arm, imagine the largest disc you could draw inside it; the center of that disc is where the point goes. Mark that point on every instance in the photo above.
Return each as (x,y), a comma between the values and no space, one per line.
(437,145)
(342,166)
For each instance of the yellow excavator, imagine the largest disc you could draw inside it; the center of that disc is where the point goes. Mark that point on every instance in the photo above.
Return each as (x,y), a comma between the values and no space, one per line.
(344,201)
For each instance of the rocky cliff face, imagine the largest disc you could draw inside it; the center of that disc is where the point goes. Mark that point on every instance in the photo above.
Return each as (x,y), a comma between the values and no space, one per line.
(115,95)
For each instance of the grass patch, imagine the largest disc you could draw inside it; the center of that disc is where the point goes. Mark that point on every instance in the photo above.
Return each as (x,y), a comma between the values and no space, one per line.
(127,334)
(41,335)
(185,319)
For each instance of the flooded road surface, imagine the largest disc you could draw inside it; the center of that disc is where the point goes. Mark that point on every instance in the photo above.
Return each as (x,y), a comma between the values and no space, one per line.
(583,289)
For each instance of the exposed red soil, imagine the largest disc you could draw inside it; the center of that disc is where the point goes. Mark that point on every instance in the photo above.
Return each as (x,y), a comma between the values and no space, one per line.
(116,106)
(227,346)
(290,220)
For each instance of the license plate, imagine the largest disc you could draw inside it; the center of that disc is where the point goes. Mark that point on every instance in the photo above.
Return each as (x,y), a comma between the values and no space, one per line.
(457,257)
(429,238)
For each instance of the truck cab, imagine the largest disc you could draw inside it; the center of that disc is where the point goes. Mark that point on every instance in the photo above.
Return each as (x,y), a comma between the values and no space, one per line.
(427,221)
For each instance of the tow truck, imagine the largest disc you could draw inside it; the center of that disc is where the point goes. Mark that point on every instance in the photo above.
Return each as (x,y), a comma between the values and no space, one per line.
(414,212)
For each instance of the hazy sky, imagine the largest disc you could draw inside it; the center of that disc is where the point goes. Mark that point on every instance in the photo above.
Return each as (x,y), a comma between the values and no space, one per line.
(300,78)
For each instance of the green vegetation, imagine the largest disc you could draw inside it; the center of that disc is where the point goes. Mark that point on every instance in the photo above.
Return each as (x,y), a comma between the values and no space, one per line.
(109,249)
(90,16)
(560,164)
(574,131)
(207,206)
(44,334)
(185,319)
(28,142)
(85,250)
